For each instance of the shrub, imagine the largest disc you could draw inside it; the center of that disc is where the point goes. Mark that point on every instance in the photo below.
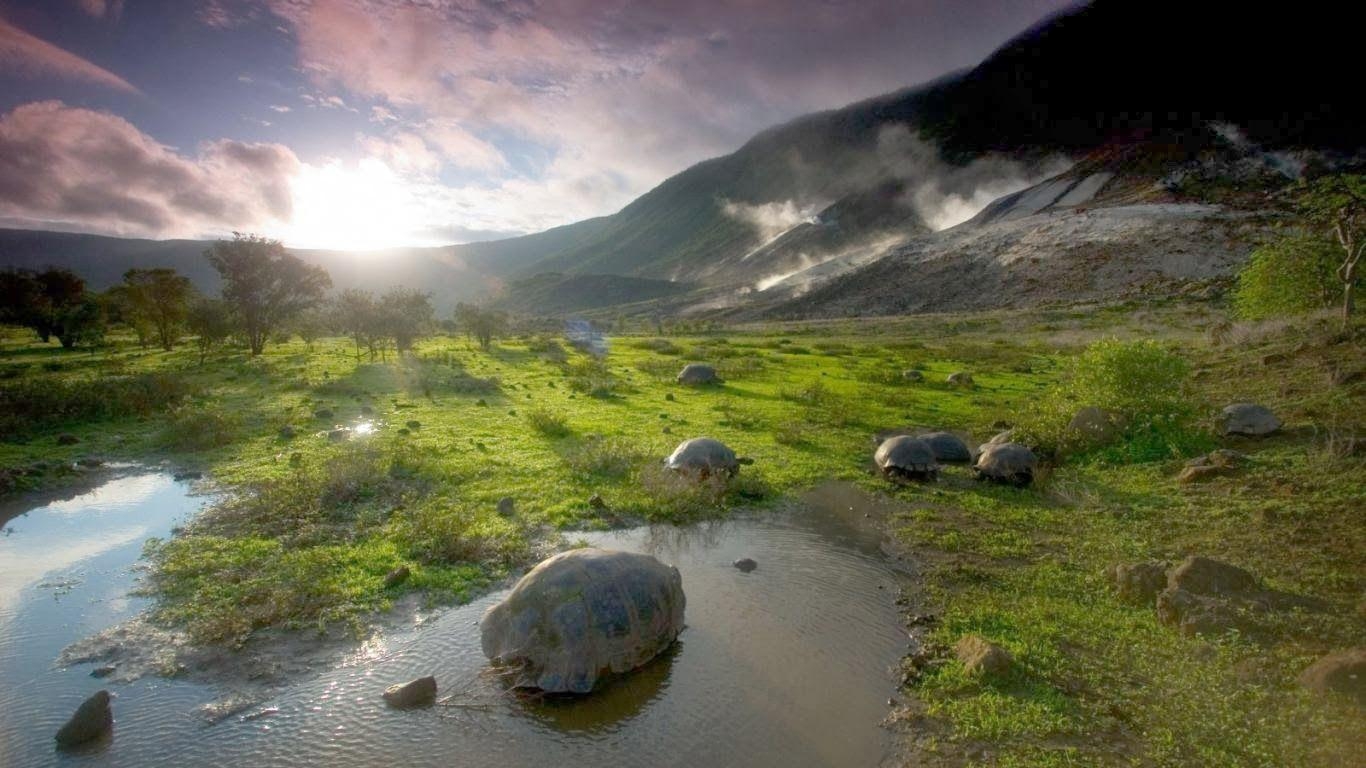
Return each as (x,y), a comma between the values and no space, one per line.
(35,403)
(197,428)
(547,422)
(591,376)
(610,457)
(1291,276)
(661,346)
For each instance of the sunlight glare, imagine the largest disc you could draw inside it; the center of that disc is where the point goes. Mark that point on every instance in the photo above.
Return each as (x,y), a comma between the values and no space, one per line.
(360,206)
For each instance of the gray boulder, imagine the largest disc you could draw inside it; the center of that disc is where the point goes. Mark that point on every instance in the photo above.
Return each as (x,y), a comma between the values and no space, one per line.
(911,374)
(1343,672)
(92,720)
(415,693)
(1249,419)
(1138,582)
(695,374)
(982,657)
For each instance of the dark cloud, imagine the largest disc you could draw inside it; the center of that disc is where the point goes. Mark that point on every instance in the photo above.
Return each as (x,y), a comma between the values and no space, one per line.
(65,164)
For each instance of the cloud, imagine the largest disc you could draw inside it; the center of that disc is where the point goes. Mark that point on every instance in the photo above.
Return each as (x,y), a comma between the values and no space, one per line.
(61,164)
(616,97)
(29,56)
(102,9)
(281,108)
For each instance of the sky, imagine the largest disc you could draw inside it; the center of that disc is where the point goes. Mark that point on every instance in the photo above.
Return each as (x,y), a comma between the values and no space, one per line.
(374,123)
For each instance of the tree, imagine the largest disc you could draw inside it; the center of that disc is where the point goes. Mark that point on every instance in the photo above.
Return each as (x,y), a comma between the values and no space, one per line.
(311,326)
(1338,203)
(465,317)
(210,321)
(264,285)
(484,324)
(1290,276)
(406,314)
(43,300)
(159,298)
(80,323)
(356,315)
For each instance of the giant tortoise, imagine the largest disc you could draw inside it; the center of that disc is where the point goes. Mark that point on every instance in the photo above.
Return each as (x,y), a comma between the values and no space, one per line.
(903,457)
(948,447)
(696,374)
(702,457)
(581,615)
(1009,463)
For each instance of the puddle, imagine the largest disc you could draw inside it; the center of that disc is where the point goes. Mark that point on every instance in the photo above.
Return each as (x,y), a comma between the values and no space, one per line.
(789,665)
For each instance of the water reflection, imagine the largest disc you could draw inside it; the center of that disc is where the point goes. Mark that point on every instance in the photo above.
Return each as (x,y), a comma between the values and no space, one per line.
(611,705)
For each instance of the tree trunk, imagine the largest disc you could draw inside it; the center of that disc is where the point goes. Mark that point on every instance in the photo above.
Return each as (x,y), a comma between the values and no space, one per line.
(1348,304)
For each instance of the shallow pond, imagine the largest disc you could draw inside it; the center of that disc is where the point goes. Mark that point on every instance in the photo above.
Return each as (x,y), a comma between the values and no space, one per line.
(790,665)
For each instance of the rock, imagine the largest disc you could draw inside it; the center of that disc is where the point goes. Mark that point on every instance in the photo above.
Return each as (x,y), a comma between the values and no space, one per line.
(911,374)
(416,693)
(339,434)
(745,564)
(670,397)
(324,413)
(89,462)
(481,402)
(1342,672)
(1205,576)
(104,671)
(1093,426)
(506,506)
(67,439)
(1199,474)
(413,424)
(92,720)
(948,447)
(695,374)
(189,475)
(982,657)
(397,576)
(286,432)
(1194,614)
(366,410)
(596,501)
(583,614)
(1275,358)
(1249,419)
(961,379)
(1138,582)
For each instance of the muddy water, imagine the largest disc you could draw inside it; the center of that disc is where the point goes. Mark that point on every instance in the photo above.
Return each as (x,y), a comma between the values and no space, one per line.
(789,665)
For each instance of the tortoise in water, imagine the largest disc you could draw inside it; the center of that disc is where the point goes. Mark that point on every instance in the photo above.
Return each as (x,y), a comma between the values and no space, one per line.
(906,458)
(1009,463)
(583,614)
(697,374)
(947,446)
(703,456)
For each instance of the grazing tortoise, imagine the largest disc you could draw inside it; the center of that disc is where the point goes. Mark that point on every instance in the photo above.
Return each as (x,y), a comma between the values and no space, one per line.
(581,615)
(696,374)
(1009,463)
(948,447)
(911,374)
(703,456)
(961,379)
(906,458)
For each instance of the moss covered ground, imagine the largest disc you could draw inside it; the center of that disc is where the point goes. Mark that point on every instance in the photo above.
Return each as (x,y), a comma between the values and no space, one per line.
(309,526)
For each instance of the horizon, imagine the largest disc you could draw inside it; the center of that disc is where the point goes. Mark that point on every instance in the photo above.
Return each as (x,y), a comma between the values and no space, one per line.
(359,126)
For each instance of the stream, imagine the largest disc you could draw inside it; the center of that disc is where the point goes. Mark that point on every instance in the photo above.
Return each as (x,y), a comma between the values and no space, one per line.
(789,665)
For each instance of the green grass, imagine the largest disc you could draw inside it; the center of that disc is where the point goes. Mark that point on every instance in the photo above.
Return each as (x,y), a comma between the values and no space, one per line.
(312,526)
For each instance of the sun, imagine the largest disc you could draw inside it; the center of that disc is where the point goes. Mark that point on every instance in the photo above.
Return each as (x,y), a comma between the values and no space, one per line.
(353,206)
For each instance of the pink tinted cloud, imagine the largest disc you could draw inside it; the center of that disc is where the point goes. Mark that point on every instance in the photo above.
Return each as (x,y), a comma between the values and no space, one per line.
(30,56)
(71,165)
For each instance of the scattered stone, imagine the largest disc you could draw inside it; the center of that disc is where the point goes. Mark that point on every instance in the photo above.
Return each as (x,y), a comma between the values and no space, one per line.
(695,374)
(415,693)
(670,397)
(1342,672)
(1206,576)
(189,475)
(1275,358)
(104,671)
(1249,419)
(89,462)
(667,431)
(635,601)
(92,720)
(413,424)
(1138,582)
(339,434)
(287,432)
(506,506)
(745,564)
(911,374)
(324,413)
(596,501)
(397,576)
(1199,474)
(1093,426)
(67,438)
(948,447)
(702,456)
(366,410)
(1008,463)
(481,402)
(296,459)
(260,713)
(961,379)
(904,458)
(982,657)
(1216,463)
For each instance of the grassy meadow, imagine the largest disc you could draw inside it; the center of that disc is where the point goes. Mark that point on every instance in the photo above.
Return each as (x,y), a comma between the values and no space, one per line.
(309,526)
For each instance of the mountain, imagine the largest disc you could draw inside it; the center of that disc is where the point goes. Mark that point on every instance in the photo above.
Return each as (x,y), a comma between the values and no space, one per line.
(1115,125)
